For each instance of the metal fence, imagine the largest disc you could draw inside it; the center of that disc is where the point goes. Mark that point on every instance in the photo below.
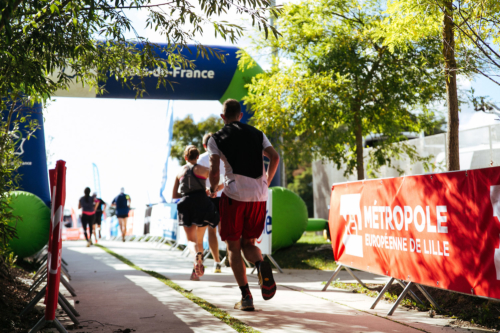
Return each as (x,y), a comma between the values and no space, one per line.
(479,148)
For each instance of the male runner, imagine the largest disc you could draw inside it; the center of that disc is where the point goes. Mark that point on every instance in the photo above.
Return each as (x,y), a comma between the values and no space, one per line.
(122,203)
(243,202)
(213,242)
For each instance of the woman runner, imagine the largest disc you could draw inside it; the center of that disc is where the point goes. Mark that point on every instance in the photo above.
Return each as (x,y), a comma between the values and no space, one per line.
(195,211)
(87,205)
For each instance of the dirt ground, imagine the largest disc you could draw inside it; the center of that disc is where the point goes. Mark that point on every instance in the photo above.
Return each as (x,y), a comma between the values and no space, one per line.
(13,299)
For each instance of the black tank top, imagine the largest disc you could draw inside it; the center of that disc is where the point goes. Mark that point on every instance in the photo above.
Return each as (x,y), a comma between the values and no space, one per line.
(189,182)
(242,146)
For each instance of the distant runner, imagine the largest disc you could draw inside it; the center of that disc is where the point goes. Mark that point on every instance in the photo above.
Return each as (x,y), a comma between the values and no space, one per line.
(213,243)
(86,203)
(99,203)
(243,202)
(195,211)
(122,203)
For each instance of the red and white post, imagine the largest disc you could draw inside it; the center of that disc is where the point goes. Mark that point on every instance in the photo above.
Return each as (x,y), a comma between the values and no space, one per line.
(58,190)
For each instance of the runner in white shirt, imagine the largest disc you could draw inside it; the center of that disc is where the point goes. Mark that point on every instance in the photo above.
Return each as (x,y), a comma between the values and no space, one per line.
(243,202)
(213,242)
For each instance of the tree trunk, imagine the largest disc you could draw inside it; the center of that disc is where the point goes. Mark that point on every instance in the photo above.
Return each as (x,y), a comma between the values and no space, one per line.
(453,157)
(359,146)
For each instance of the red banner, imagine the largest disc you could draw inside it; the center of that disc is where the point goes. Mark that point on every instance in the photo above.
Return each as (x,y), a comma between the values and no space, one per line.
(71,234)
(58,190)
(439,230)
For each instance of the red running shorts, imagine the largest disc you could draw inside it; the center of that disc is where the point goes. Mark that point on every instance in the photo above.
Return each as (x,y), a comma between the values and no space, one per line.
(240,219)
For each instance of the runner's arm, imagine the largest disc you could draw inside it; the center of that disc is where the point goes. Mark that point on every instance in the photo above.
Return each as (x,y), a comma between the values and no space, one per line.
(274,159)
(175,192)
(214,172)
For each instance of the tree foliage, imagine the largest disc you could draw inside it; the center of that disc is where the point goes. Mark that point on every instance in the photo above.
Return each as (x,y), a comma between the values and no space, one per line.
(300,181)
(47,44)
(12,122)
(475,24)
(468,33)
(187,132)
(335,82)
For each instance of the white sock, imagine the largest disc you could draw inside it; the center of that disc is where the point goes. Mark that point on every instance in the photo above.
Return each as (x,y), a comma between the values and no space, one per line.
(216,263)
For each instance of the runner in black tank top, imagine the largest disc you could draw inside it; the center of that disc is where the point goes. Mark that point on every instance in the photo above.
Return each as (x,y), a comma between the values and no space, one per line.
(195,211)
(243,202)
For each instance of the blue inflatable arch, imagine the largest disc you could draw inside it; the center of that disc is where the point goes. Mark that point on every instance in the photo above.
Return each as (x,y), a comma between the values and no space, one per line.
(210,80)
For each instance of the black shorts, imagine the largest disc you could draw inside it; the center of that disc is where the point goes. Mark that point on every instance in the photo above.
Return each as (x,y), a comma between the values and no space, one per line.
(98,218)
(216,201)
(197,209)
(124,216)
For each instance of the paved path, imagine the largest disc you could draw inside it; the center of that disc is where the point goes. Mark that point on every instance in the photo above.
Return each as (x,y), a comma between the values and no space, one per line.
(113,296)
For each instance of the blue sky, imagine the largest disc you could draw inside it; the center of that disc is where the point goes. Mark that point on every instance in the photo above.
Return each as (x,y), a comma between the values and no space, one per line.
(127,139)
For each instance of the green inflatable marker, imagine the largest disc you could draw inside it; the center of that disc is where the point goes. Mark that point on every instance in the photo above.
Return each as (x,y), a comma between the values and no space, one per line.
(317,225)
(289,217)
(33,228)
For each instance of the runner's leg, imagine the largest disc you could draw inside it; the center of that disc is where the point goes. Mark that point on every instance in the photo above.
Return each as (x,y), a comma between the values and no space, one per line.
(192,239)
(252,253)
(265,272)
(236,261)
(125,226)
(84,225)
(91,227)
(213,243)
(192,236)
(121,223)
(200,233)
(95,227)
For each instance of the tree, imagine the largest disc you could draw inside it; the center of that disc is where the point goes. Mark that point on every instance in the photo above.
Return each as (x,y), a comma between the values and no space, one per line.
(469,32)
(186,132)
(335,83)
(301,183)
(9,178)
(46,44)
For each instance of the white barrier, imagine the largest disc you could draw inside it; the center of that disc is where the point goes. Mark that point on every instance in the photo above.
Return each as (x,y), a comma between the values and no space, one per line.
(265,241)
(163,221)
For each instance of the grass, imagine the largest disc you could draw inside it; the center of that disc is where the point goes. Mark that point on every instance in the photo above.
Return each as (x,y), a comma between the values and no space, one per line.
(355,288)
(236,324)
(301,255)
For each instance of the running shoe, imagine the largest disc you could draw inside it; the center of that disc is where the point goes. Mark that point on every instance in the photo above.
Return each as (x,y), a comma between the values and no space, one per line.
(217,268)
(194,277)
(246,304)
(198,265)
(99,233)
(88,244)
(266,281)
